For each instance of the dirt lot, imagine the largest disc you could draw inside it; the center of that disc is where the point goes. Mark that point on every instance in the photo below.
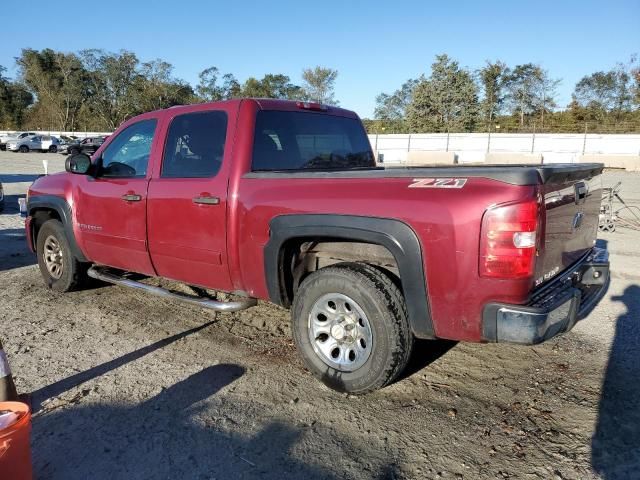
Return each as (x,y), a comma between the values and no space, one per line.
(126,385)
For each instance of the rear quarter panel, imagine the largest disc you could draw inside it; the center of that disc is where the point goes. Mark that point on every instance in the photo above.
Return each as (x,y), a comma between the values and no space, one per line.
(446,221)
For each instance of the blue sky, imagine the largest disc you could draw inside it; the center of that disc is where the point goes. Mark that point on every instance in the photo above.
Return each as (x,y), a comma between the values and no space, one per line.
(375,45)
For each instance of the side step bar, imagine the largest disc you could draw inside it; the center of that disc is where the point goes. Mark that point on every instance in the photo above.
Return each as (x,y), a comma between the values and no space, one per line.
(103,274)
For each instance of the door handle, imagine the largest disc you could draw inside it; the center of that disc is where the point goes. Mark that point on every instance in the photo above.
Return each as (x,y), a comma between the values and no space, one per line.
(131,197)
(206,200)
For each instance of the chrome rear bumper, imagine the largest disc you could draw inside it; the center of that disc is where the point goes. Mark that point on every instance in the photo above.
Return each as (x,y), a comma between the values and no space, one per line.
(555,308)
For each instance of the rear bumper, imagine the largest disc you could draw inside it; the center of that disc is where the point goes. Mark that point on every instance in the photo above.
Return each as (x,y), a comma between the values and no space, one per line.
(555,308)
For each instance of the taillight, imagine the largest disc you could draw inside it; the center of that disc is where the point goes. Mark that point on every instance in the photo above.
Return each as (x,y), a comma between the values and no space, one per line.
(312,106)
(508,240)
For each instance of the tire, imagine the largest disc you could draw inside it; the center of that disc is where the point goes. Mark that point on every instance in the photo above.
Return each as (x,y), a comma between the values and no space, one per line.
(53,149)
(71,273)
(23,149)
(360,367)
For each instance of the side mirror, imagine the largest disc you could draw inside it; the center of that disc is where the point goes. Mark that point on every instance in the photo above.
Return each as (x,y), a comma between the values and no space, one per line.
(79,163)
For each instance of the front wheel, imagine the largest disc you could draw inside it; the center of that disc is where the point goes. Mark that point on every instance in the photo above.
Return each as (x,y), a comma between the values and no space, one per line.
(53,149)
(350,325)
(60,270)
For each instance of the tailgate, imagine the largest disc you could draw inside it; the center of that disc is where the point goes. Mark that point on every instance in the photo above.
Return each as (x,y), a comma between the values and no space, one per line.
(572,207)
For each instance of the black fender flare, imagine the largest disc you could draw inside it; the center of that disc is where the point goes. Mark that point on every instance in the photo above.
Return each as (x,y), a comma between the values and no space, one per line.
(396,236)
(62,208)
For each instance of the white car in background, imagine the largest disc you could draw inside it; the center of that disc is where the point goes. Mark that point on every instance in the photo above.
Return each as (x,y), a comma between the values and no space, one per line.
(4,139)
(38,143)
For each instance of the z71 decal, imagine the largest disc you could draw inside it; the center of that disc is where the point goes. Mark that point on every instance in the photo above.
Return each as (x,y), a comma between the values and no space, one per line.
(438,183)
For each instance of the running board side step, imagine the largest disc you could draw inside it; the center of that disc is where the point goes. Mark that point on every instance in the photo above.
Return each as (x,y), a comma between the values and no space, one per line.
(109,277)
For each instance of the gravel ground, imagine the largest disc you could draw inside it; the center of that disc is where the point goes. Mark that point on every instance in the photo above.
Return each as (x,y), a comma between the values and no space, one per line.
(125,385)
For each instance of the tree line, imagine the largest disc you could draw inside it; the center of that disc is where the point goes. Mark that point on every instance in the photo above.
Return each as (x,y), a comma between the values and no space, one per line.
(497,97)
(96,90)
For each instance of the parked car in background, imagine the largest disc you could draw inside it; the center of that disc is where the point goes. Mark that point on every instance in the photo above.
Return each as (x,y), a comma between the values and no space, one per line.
(4,139)
(67,139)
(87,146)
(37,143)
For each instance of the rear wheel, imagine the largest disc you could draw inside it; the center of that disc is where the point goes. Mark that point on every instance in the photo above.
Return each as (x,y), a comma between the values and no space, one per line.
(53,149)
(23,149)
(59,268)
(350,325)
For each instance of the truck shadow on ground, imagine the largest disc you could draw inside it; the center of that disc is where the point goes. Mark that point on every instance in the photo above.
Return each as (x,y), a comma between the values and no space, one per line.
(66,384)
(176,434)
(11,204)
(13,245)
(615,444)
(185,431)
(13,250)
(17,178)
(425,352)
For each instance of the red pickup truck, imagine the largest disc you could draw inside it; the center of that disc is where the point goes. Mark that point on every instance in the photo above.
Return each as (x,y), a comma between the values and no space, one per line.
(283,201)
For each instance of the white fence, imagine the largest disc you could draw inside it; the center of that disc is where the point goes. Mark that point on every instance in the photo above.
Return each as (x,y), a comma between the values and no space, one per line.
(472,147)
(57,133)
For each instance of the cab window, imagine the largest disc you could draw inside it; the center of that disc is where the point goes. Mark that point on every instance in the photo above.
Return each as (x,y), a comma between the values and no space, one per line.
(128,154)
(285,140)
(195,145)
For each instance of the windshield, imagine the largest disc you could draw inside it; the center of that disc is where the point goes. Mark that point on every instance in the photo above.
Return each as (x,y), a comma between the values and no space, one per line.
(309,141)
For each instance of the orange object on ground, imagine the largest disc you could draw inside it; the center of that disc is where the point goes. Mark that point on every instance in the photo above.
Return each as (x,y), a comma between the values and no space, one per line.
(15,445)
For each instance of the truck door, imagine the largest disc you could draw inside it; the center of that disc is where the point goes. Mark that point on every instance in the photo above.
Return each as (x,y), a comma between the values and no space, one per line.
(111,208)
(188,200)
(45,142)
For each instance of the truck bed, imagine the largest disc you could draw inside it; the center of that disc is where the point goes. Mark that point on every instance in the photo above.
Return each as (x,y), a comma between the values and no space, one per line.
(512,174)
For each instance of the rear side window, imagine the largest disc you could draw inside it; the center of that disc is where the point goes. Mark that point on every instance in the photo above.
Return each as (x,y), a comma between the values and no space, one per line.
(195,145)
(309,141)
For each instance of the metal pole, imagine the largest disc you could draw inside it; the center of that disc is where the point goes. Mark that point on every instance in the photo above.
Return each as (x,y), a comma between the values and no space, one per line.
(409,144)
(584,142)
(489,139)
(533,137)
(447,149)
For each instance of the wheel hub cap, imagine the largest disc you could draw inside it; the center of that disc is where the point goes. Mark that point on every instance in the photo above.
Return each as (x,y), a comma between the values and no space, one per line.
(339,332)
(53,258)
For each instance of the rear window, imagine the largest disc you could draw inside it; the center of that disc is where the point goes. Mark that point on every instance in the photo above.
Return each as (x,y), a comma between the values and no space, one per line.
(309,141)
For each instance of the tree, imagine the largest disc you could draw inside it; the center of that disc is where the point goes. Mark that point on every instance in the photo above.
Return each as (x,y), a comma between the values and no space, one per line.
(447,100)
(58,80)
(14,101)
(230,86)
(122,87)
(603,93)
(208,89)
(319,84)
(636,87)
(157,89)
(521,85)
(272,86)
(547,92)
(394,107)
(493,77)
(112,78)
